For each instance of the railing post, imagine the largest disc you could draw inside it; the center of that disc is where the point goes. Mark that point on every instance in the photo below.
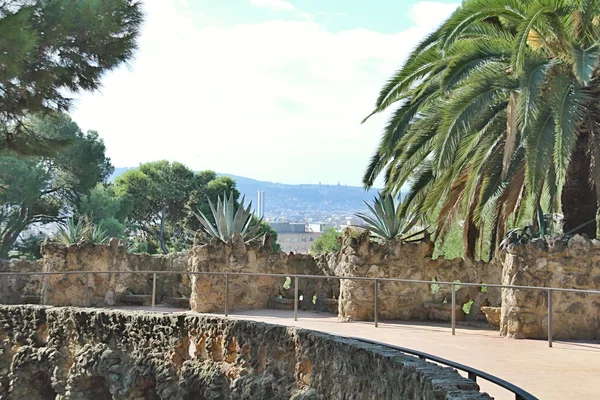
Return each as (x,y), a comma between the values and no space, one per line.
(226,294)
(153,290)
(85,291)
(5,294)
(296,298)
(472,376)
(549,317)
(43,290)
(453,309)
(376,303)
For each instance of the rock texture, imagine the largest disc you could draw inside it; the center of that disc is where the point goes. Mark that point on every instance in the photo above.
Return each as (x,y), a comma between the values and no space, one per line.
(554,263)
(365,258)
(492,314)
(104,289)
(255,292)
(70,353)
(17,288)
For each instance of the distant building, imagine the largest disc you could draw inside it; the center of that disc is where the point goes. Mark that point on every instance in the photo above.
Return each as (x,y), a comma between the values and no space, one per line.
(294,237)
(318,227)
(260,204)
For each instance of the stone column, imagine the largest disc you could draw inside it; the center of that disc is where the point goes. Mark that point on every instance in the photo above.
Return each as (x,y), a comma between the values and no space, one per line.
(551,263)
(70,290)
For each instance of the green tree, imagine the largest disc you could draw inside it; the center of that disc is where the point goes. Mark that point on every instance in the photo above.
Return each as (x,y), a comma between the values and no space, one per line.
(102,202)
(208,185)
(497,109)
(29,247)
(158,192)
(328,242)
(37,190)
(54,47)
(266,228)
(103,208)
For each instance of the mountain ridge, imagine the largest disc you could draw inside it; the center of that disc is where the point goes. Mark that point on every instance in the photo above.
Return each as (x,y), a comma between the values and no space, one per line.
(299,202)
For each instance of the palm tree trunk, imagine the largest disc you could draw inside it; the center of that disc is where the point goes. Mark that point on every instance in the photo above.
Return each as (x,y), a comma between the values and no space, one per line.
(470,234)
(578,197)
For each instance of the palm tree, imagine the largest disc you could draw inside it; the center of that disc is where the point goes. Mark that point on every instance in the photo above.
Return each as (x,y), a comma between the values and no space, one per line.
(497,109)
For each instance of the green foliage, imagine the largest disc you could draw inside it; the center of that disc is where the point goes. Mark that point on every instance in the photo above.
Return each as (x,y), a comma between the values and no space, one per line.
(207,187)
(547,225)
(467,307)
(328,242)
(35,189)
(264,228)
(51,48)
(158,200)
(434,286)
(490,110)
(102,203)
(28,247)
(288,283)
(112,227)
(73,233)
(157,193)
(230,220)
(386,222)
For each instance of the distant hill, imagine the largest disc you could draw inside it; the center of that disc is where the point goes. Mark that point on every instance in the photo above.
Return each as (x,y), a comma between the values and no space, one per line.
(298,202)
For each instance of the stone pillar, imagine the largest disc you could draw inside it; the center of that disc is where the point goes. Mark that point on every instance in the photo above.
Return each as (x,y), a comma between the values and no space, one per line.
(70,290)
(245,292)
(553,263)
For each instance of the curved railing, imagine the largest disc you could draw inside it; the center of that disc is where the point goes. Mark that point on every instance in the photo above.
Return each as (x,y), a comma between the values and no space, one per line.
(472,373)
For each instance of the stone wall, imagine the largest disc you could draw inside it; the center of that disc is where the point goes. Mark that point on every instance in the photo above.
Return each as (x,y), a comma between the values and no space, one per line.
(364,258)
(19,289)
(107,289)
(554,263)
(255,292)
(70,353)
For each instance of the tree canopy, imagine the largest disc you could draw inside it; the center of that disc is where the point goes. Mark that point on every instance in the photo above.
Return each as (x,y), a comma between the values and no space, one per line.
(52,48)
(328,242)
(38,189)
(495,110)
(163,197)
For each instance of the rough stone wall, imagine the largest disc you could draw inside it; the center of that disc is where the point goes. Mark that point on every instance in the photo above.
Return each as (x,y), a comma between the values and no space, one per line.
(17,288)
(364,258)
(555,263)
(70,353)
(254,292)
(106,289)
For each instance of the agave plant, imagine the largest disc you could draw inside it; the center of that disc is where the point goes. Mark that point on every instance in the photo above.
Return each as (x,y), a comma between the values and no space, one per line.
(229,220)
(387,222)
(77,233)
(547,225)
(97,234)
(72,233)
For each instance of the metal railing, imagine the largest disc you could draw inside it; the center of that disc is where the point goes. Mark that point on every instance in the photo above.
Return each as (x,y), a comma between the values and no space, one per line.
(472,373)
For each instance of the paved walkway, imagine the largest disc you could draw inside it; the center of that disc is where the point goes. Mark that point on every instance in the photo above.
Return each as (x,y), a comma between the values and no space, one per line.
(569,370)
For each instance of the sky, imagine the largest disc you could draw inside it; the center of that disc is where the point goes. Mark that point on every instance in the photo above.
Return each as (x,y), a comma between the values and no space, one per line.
(267,89)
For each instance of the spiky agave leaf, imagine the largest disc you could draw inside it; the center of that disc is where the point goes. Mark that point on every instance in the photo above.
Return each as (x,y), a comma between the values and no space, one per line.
(386,223)
(229,220)
(72,233)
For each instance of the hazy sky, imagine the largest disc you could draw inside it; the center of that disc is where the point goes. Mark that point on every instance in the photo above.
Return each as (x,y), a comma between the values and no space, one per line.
(268,89)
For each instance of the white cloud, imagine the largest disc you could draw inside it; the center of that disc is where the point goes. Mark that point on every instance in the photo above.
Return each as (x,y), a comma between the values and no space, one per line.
(273,4)
(431,13)
(277,100)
